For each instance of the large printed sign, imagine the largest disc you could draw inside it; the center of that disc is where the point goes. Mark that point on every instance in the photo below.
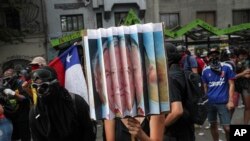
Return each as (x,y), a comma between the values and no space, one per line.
(126,71)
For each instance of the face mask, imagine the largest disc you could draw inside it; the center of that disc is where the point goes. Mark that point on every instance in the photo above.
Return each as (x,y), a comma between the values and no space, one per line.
(215,64)
(34,67)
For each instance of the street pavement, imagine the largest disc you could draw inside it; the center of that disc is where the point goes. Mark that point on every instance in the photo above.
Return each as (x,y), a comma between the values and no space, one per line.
(201,133)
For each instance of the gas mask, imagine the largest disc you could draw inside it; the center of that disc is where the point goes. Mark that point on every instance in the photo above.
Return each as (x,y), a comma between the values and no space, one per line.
(10,82)
(44,88)
(215,64)
(44,81)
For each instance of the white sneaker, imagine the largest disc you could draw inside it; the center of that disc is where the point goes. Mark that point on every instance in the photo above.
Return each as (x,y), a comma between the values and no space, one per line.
(241,106)
(208,126)
(223,132)
(220,129)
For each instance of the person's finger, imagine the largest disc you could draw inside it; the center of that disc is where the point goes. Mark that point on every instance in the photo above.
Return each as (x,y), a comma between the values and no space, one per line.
(133,120)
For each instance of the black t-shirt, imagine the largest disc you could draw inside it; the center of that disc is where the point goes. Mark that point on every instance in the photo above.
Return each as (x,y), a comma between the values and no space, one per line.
(182,127)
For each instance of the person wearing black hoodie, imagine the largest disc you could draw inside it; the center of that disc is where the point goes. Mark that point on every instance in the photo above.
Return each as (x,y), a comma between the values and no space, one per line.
(178,126)
(58,115)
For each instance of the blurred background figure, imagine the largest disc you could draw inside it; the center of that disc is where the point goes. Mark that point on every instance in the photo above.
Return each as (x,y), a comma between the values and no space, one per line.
(200,62)
(6,127)
(35,64)
(17,105)
(229,56)
(243,81)
(187,62)
(178,126)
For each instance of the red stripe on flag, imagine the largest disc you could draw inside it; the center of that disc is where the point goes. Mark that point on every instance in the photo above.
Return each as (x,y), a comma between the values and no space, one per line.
(57,64)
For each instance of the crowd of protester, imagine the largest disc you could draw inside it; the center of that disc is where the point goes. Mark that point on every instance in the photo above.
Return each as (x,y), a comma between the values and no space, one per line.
(34,106)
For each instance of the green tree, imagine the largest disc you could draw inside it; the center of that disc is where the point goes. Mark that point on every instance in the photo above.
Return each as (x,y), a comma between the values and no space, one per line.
(131,18)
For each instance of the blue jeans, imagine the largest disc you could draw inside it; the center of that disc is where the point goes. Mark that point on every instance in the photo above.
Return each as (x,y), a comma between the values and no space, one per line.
(222,111)
(6,129)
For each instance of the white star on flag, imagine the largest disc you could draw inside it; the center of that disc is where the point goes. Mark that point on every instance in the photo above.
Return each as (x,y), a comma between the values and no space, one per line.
(68,58)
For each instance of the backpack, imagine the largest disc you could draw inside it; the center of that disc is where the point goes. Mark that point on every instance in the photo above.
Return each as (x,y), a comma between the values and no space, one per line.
(195,100)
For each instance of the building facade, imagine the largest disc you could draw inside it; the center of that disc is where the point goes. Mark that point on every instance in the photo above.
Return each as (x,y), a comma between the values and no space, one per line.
(219,13)
(52,19)
(67,16)
(25,19)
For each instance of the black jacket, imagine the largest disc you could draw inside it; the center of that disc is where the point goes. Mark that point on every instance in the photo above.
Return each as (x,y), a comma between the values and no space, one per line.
(60,119)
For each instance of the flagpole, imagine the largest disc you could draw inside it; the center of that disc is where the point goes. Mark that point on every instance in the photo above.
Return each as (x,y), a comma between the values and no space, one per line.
(84,33)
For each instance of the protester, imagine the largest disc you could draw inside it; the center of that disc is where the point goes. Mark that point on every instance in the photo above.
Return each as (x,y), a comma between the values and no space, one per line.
(6,127)
(58,115)
(200,62)
(178,127)
(36,63)
(17,105)
(218,81)
(187,62)
(228,56)
(243,81)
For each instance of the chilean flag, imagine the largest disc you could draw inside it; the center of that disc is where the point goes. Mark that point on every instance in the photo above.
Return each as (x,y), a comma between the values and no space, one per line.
(69,72)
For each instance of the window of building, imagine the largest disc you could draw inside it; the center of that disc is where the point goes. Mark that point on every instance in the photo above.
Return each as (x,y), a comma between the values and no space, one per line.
(99,20)
(241,16)
(171,20)
(120,17)
(3,1)
(71,22)
(209,17)
(12,18)
(2,19)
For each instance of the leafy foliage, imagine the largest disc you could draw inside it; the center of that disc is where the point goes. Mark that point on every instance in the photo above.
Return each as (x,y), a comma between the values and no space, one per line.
(131,18)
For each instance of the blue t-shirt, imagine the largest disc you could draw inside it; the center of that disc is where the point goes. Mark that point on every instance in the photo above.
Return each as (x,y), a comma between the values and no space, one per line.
(218,86)
(189,62)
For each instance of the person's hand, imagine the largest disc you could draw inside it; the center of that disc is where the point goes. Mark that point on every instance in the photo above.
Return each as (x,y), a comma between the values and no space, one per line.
(8,91)
(134,127)
(247,73)
(230,105)
(25,85)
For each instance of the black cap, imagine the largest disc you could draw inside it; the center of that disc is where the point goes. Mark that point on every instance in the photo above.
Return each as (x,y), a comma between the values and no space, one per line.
(172,53)
(46,74)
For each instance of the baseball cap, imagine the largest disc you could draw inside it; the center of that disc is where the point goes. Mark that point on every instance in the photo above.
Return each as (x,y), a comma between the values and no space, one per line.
(38,60)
